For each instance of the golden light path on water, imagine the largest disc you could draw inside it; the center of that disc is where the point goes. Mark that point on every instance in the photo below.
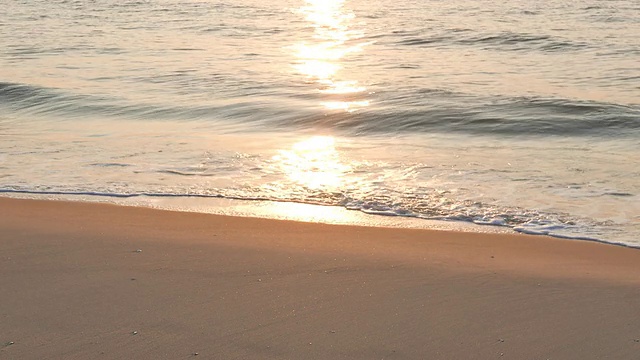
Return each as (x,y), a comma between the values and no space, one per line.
(320,59)
(314,163)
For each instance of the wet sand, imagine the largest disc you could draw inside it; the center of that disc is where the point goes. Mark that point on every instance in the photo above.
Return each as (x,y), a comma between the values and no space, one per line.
(85,281)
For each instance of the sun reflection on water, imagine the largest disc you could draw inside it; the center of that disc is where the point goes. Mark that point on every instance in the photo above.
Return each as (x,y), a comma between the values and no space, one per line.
(320,58)
(313,163)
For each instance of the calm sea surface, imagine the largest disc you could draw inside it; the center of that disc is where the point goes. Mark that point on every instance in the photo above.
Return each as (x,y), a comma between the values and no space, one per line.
(521,114)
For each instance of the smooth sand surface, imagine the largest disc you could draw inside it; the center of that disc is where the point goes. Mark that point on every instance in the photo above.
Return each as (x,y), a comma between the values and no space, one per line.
(73,286)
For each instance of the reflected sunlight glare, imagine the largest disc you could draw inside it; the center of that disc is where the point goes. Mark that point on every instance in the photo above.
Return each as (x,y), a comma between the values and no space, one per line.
(320,59)
(348,106)
(313,163)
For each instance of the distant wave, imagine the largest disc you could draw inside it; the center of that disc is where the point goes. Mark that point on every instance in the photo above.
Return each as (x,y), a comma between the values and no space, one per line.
(22,96)
(508,41)
(425,110)
(41,101)
(514,116)
(35,100)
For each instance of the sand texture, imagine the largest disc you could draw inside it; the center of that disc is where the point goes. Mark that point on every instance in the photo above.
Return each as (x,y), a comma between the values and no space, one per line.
(92,281)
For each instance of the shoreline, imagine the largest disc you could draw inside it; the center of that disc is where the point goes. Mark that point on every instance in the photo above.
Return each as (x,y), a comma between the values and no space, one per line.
(295,211)
(76,286)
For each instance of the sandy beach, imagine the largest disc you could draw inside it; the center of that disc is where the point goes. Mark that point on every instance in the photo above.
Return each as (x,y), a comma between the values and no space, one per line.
(85,281)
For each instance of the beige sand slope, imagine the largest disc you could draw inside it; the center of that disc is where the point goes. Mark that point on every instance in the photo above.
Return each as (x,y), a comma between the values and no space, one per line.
(72,286)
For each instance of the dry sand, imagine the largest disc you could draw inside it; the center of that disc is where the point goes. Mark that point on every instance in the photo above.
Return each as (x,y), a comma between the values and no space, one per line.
(73,286)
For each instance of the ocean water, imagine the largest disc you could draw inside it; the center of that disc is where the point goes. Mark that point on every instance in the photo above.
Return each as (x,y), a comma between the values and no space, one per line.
(523,115)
